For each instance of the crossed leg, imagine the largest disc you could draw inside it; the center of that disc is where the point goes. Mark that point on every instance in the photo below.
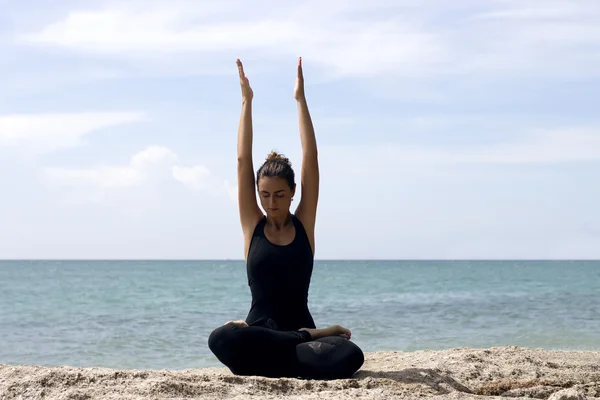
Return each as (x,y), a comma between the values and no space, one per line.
(312,353)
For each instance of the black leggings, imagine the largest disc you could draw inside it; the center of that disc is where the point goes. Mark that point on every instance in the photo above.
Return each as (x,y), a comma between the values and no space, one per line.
(256,350)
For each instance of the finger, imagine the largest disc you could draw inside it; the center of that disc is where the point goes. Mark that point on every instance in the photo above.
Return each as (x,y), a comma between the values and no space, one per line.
(240,68)
(300,75)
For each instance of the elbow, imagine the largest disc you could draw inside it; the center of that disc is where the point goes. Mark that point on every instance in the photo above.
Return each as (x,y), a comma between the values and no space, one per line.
(243,159)
(244,165)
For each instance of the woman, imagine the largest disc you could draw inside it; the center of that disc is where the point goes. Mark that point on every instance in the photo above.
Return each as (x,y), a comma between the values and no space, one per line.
(279,336)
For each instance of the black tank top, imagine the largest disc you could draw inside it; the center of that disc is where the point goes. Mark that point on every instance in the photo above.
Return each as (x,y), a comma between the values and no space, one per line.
(279,279)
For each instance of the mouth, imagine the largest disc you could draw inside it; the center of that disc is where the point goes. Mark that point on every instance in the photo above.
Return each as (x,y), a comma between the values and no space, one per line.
(273,209)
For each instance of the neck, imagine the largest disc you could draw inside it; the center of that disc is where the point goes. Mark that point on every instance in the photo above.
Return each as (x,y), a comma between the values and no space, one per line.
(280,222)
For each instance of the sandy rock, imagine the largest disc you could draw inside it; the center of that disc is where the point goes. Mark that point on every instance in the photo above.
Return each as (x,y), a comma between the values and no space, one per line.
(568,394)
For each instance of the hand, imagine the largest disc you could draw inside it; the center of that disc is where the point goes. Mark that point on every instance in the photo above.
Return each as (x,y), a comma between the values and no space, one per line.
(239,323)
(334,330)
(299,88)
(247,93)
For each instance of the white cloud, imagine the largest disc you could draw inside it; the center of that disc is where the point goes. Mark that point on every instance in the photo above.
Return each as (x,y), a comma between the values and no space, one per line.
(232,190)
(543,10)
(50,131)
(111,176)
(154,165)
(151,156)
(100,177)
(350,38)
(193,177)
(539,147)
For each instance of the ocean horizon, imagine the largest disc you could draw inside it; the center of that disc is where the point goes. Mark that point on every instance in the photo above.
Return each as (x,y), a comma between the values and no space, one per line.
(158,313)
(316,259)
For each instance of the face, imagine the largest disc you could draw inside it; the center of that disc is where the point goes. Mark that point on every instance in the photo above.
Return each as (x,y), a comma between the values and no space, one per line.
(275,195)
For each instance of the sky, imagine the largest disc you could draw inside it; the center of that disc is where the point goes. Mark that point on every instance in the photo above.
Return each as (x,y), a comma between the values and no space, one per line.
(446,130)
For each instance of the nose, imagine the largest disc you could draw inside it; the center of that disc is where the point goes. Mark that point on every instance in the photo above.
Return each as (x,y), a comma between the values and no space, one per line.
(272,202)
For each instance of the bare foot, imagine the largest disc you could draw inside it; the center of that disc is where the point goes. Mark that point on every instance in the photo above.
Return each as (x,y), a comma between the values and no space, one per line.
(240,323)
(338,330)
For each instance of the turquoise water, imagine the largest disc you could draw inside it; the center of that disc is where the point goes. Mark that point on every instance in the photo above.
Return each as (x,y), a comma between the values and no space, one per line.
(158,314)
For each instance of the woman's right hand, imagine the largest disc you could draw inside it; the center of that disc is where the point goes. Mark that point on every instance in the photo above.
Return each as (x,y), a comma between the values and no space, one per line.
(247,93)
(239,323)
(334,330)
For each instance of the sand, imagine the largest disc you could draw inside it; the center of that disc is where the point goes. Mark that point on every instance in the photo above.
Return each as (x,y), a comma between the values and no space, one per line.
(462,373)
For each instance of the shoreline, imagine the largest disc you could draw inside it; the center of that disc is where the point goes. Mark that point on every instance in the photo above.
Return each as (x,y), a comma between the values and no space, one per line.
(459,373)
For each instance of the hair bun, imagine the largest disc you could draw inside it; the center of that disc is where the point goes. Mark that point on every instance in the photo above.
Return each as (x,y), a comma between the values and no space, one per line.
(275,156)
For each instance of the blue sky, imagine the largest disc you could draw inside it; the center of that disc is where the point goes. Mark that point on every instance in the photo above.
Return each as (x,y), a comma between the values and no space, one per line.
(446,130)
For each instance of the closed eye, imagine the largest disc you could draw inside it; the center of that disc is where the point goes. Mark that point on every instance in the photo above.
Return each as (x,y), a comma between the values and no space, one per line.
(278,194)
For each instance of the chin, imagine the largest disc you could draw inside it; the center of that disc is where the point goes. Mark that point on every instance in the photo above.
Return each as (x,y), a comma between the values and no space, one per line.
(279,211)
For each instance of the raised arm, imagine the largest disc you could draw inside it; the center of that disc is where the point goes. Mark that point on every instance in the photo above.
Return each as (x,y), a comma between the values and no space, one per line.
(249,211)
(307,209)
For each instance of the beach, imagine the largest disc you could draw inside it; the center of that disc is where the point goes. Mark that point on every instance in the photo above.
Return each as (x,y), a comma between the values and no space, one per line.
(459,373)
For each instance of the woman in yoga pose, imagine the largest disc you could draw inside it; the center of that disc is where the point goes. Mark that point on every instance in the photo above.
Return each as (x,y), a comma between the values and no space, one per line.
(279,337)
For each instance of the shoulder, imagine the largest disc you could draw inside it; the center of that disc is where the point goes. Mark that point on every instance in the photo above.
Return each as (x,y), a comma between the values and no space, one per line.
(253,227)
(306,229)
(252,233)
(257,230)
(306,222)
(298,222)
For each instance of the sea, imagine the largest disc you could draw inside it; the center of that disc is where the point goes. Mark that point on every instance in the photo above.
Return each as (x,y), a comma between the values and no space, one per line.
(159,314)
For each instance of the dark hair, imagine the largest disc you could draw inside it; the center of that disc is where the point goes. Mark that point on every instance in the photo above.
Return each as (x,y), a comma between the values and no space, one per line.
(279,166)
